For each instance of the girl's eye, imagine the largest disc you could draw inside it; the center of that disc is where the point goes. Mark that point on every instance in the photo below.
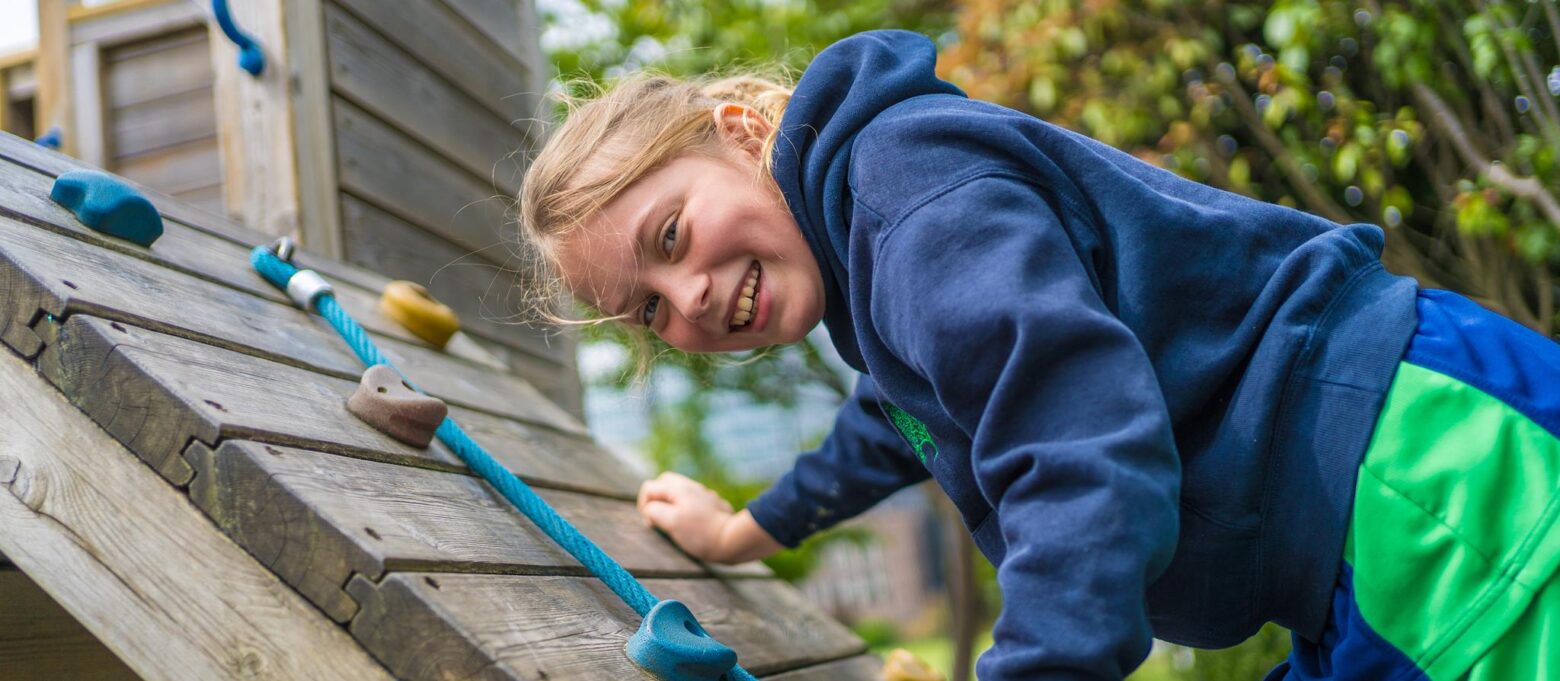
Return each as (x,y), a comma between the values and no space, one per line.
(669,239)
(648,315)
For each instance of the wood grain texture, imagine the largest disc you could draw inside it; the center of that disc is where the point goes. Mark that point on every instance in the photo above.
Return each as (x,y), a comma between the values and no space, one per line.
(39,641)
(58,275)
(448,626)
(316,519)
(378,163)
(167,65)
(499,21)
(162,122)
(137,21)
(314,137)
(375,74)
(24,196)
(157,392)
(132,560)
(436,35)
(485,291)
(173,169)
(87,111)
(858,668)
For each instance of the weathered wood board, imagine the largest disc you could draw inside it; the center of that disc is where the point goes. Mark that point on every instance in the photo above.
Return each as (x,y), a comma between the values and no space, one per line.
(316,519)
(568,628)
(58,275)
(131,559)
(39,641)
(157,392)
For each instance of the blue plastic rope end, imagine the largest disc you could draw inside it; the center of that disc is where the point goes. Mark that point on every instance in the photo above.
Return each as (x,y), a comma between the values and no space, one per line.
(671,645)
(251,59)
(109,205)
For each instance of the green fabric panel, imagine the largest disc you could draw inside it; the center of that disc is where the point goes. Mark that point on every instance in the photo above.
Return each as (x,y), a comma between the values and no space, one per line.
(1453,529)
(1530,648)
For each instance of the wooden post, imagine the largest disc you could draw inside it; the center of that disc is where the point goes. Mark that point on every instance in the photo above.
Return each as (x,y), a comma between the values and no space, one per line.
(277,163)
(53,102)
(86,96)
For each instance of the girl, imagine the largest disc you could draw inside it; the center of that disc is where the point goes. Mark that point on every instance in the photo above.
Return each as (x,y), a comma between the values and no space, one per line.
(1162,409)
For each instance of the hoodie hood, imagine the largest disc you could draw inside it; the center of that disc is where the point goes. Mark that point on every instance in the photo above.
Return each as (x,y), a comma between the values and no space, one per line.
(843,89)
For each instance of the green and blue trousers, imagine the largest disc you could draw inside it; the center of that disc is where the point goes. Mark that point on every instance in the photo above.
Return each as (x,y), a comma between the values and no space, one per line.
(1449,567)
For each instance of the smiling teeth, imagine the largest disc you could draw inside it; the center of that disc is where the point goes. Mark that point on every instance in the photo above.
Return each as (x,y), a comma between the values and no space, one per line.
(746,303)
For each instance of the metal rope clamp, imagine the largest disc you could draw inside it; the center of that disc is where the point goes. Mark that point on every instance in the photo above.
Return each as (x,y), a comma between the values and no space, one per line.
(306,286)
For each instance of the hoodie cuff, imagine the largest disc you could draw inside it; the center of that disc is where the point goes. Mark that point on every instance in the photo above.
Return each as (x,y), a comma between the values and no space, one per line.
(779,511)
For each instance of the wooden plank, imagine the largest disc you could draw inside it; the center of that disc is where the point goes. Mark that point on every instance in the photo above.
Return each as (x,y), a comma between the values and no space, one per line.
(53,69)
(39,641)
(314,135)
(138,565)
(858,668)
(156,393)
(254,123)
(208,197)
(371,71)
(174,169)
(435,35)
(21,81)
(381,165)
(79,12)
(146,22)
(460,626)
(201,243)
(163,66)
(317,519)
(484,293)
(163,122)
(58,275)
(86,82)
(18,58)
(500,22)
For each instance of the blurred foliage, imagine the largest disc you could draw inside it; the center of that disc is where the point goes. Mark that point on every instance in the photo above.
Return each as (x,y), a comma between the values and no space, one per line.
(1435,119)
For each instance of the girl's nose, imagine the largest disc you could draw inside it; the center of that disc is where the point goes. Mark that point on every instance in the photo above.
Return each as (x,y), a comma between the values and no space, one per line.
(691,297)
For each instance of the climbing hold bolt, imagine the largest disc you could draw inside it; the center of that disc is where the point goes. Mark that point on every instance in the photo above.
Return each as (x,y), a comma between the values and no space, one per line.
(109,205)
(671,645)
(384,401)
(903,665)
(411,306)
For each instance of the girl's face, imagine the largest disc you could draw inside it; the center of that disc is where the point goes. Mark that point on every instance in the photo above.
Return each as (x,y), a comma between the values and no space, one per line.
(701,252)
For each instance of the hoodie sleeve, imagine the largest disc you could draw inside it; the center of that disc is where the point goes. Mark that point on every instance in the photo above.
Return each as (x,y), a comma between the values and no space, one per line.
(862,461)
(981,293)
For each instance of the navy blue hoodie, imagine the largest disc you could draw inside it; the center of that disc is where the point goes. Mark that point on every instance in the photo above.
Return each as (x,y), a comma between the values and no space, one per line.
(1149,398)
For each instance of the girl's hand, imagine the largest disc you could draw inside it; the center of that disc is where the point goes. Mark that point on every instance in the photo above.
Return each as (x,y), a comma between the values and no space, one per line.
(701,522)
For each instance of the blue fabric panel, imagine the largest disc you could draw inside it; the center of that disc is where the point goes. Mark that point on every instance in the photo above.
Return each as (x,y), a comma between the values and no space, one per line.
(1509,361)
(1349,649)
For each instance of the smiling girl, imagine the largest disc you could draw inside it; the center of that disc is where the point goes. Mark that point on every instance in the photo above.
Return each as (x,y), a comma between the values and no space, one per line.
(1162,409)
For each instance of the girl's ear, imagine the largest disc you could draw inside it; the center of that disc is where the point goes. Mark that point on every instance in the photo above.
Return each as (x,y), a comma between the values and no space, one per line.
(741,126)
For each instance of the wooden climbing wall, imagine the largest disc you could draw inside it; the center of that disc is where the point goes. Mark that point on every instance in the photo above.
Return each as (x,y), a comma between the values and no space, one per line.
(237,401)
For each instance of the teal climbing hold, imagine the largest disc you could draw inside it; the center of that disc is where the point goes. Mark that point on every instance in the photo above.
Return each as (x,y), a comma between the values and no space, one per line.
(109,205)
(671,645)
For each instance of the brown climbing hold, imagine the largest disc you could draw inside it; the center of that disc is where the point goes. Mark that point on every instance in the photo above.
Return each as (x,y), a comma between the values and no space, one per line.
(903,665)
(385,402)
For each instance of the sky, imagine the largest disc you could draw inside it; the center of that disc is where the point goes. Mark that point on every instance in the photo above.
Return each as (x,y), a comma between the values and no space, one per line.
(18,25)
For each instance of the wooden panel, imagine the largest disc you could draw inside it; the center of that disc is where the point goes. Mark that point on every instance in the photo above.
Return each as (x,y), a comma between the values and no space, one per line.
(208,197)
(381,165)
(156,68)
(176,168)
(136,21)
(568,628)
(377,75)
(858,668)
(23,196)
(53,69)
(156,393)
(87,114)
(484,292)
(435,35)
(316,519)
(499,20)
(60,275)
(39,641)
(132,560)
(163,122)
(313,135)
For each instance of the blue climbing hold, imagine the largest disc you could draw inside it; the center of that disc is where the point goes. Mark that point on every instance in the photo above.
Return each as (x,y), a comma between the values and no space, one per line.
(51,139)
(109,205)
(250,57)
(671,645)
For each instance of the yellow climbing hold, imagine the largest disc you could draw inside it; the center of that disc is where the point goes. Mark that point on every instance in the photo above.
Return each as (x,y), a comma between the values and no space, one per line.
(903,665)
(410,306)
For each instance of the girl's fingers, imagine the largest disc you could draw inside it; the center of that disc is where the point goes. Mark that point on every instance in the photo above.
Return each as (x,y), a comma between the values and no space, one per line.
(657,514)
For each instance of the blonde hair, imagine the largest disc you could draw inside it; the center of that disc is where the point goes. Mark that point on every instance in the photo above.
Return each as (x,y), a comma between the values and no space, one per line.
(611,140)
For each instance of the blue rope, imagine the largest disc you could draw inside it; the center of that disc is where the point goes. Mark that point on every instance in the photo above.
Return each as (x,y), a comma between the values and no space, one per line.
(603,566)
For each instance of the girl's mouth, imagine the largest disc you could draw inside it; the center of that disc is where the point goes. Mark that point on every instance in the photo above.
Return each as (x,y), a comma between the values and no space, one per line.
(747,298)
